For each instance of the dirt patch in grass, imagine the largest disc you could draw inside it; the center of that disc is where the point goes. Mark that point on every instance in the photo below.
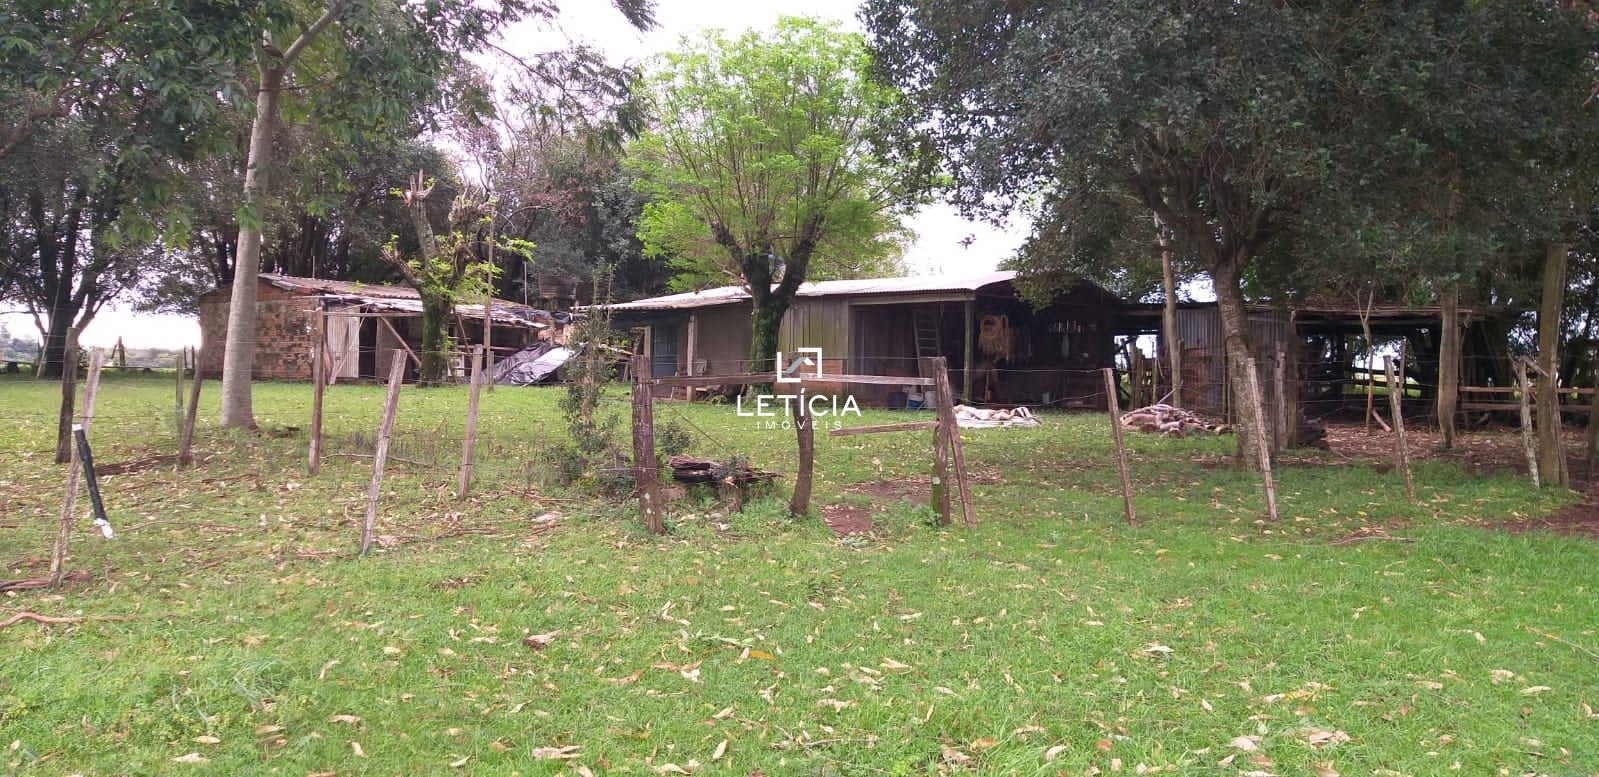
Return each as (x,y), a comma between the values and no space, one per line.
(1578,520)
(915,490)
(845,520)
(136,465)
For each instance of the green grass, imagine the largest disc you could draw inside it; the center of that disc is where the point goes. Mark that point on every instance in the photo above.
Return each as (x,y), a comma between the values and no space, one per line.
(1052,639)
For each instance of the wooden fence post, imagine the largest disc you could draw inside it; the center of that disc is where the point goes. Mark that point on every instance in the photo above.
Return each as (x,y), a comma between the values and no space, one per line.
(940,494)
(1262,443)
(1448,398)
(469,448)
(69,396)
(1524,392)
(645,477)
(186,440)
(1396,387)
(1121,449)
(381,455)
(177,390)
(319,350)
(800,504)
(58,553)
(952,435)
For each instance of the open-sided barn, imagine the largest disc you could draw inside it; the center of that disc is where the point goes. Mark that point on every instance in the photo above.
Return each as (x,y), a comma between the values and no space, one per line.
(367,326)
(1000,348)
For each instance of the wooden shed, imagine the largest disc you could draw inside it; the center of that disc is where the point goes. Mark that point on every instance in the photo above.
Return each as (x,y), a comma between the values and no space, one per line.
(368,325)
(1001,349)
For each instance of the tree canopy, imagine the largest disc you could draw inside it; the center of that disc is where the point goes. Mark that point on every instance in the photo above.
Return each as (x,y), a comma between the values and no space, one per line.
(1271,137)
(761,166)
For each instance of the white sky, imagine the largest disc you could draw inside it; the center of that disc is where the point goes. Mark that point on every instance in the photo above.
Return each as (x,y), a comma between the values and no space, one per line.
(940,231)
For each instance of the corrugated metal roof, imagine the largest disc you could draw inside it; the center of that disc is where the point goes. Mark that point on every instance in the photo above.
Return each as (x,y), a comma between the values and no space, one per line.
(403,299)
(924,284)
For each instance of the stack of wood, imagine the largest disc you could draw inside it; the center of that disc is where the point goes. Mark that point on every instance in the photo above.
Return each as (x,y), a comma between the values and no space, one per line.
(688,469)
(1171,421)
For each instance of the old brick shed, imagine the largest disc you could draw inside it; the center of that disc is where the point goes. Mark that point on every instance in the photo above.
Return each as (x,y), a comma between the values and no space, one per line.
(367,326)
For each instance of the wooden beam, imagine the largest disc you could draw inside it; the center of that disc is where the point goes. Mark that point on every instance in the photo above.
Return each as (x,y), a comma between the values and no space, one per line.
(1523,402)
(952,435)
(1121,448)
(58,552)
(646,479)
(1262,444)
(1401,447)
(186,441)
(381,456)
(403,344)
(913,426)
(319,348)
(469,448)
(799,505)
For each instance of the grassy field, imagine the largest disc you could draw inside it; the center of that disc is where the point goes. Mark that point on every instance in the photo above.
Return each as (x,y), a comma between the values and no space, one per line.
(1359,636)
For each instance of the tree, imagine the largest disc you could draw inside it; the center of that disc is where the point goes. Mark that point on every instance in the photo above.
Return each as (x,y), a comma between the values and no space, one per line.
(77,228)
(331,204)
(101,103)
(574,199)
(63,58)
(761,167)
(357,69)
(447,269)
(1242,125)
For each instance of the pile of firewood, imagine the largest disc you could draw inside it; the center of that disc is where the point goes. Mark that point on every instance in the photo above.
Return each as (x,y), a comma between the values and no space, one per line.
(689,469)
(1171,422)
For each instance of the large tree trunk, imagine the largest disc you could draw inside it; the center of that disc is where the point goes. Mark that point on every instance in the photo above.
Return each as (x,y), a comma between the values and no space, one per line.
(238,358)
(766,323)
(1551,443)
(435,355)
(1448,364)
(58,239)
(58,322)
(1235,329)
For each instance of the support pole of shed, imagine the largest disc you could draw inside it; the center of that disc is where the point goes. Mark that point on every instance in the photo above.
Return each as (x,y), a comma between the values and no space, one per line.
(966,351)
(693,336)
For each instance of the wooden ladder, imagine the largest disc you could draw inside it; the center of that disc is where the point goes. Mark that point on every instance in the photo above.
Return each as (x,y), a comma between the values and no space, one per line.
(926,339)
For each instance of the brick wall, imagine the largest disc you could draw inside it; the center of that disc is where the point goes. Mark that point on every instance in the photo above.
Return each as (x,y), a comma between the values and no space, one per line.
(284,330)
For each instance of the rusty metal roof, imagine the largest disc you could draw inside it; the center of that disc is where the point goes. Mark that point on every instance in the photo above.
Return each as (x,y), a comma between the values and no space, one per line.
(911,285)
(403,299)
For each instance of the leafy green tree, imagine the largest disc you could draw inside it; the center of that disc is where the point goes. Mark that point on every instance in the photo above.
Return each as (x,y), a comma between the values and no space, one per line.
(102,105)
(573,197)
(448,269)
(331,207)
(762,170)
(356,69)
(75,231)
(1257,131)
(94,59)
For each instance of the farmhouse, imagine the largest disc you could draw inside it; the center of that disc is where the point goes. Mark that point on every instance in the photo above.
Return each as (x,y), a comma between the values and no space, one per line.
(367,326)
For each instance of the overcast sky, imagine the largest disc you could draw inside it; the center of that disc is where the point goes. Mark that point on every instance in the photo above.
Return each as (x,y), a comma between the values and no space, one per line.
(940,231)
